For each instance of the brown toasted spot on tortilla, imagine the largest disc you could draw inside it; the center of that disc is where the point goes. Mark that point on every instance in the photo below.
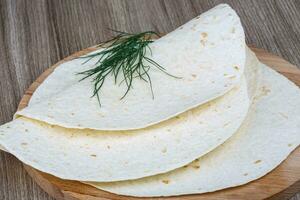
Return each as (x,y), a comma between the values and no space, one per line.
(193,27)
(202,42)
(108,146)
(194,75)
(196,166)
(165,181)
(26,130)
(258,161)
(246,174)
(24,143)
(265,90)
(197,17)
(232,77)
(100,114)
(226,124)
(232,30)
(93,155)
(283,115)
(290,145)
(72,113)
(8,127)
(236,67)
(204,34)
(255,99)
(164,150)
(50,116)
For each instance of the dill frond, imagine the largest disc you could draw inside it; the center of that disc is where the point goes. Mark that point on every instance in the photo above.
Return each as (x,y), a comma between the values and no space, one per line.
(123,55)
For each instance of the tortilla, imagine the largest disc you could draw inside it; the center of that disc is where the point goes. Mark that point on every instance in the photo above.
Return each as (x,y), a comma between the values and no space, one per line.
(139,153)
(269,134)
(125,155)
(208,53)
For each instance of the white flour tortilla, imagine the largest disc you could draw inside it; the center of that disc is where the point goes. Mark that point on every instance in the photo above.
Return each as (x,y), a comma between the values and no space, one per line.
(269,134)
(208,53)
(126,155)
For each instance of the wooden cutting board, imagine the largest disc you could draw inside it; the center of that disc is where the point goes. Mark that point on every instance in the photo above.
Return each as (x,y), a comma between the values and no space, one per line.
(281,183)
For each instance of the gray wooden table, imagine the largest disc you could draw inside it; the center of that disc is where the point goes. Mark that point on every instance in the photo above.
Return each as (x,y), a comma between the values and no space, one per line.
(35,34)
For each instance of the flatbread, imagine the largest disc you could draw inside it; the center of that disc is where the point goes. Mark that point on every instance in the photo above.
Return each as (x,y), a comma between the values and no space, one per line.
(139,153)
(208,53)
(145,152)
(269,134)
(125,155)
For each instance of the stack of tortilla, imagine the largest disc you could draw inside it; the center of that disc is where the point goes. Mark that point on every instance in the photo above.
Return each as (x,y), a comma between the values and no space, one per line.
(228,120)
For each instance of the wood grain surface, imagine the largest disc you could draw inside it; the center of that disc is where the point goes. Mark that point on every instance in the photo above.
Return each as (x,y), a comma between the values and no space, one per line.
(35,34)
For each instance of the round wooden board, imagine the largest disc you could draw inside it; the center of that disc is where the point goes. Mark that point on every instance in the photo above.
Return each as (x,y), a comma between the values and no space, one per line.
(281,183)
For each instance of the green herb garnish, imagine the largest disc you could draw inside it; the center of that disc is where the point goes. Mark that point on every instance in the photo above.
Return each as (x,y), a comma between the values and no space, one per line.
(125,54)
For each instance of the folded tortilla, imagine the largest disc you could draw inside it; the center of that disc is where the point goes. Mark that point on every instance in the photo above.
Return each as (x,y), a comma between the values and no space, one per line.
(124,155)
(208,53)
(269,134)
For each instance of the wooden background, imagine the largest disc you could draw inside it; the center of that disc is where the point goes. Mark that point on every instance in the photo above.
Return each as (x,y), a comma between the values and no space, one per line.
(35,34)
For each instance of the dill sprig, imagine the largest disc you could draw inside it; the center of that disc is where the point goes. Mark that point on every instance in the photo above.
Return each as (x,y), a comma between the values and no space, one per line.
(125,54)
